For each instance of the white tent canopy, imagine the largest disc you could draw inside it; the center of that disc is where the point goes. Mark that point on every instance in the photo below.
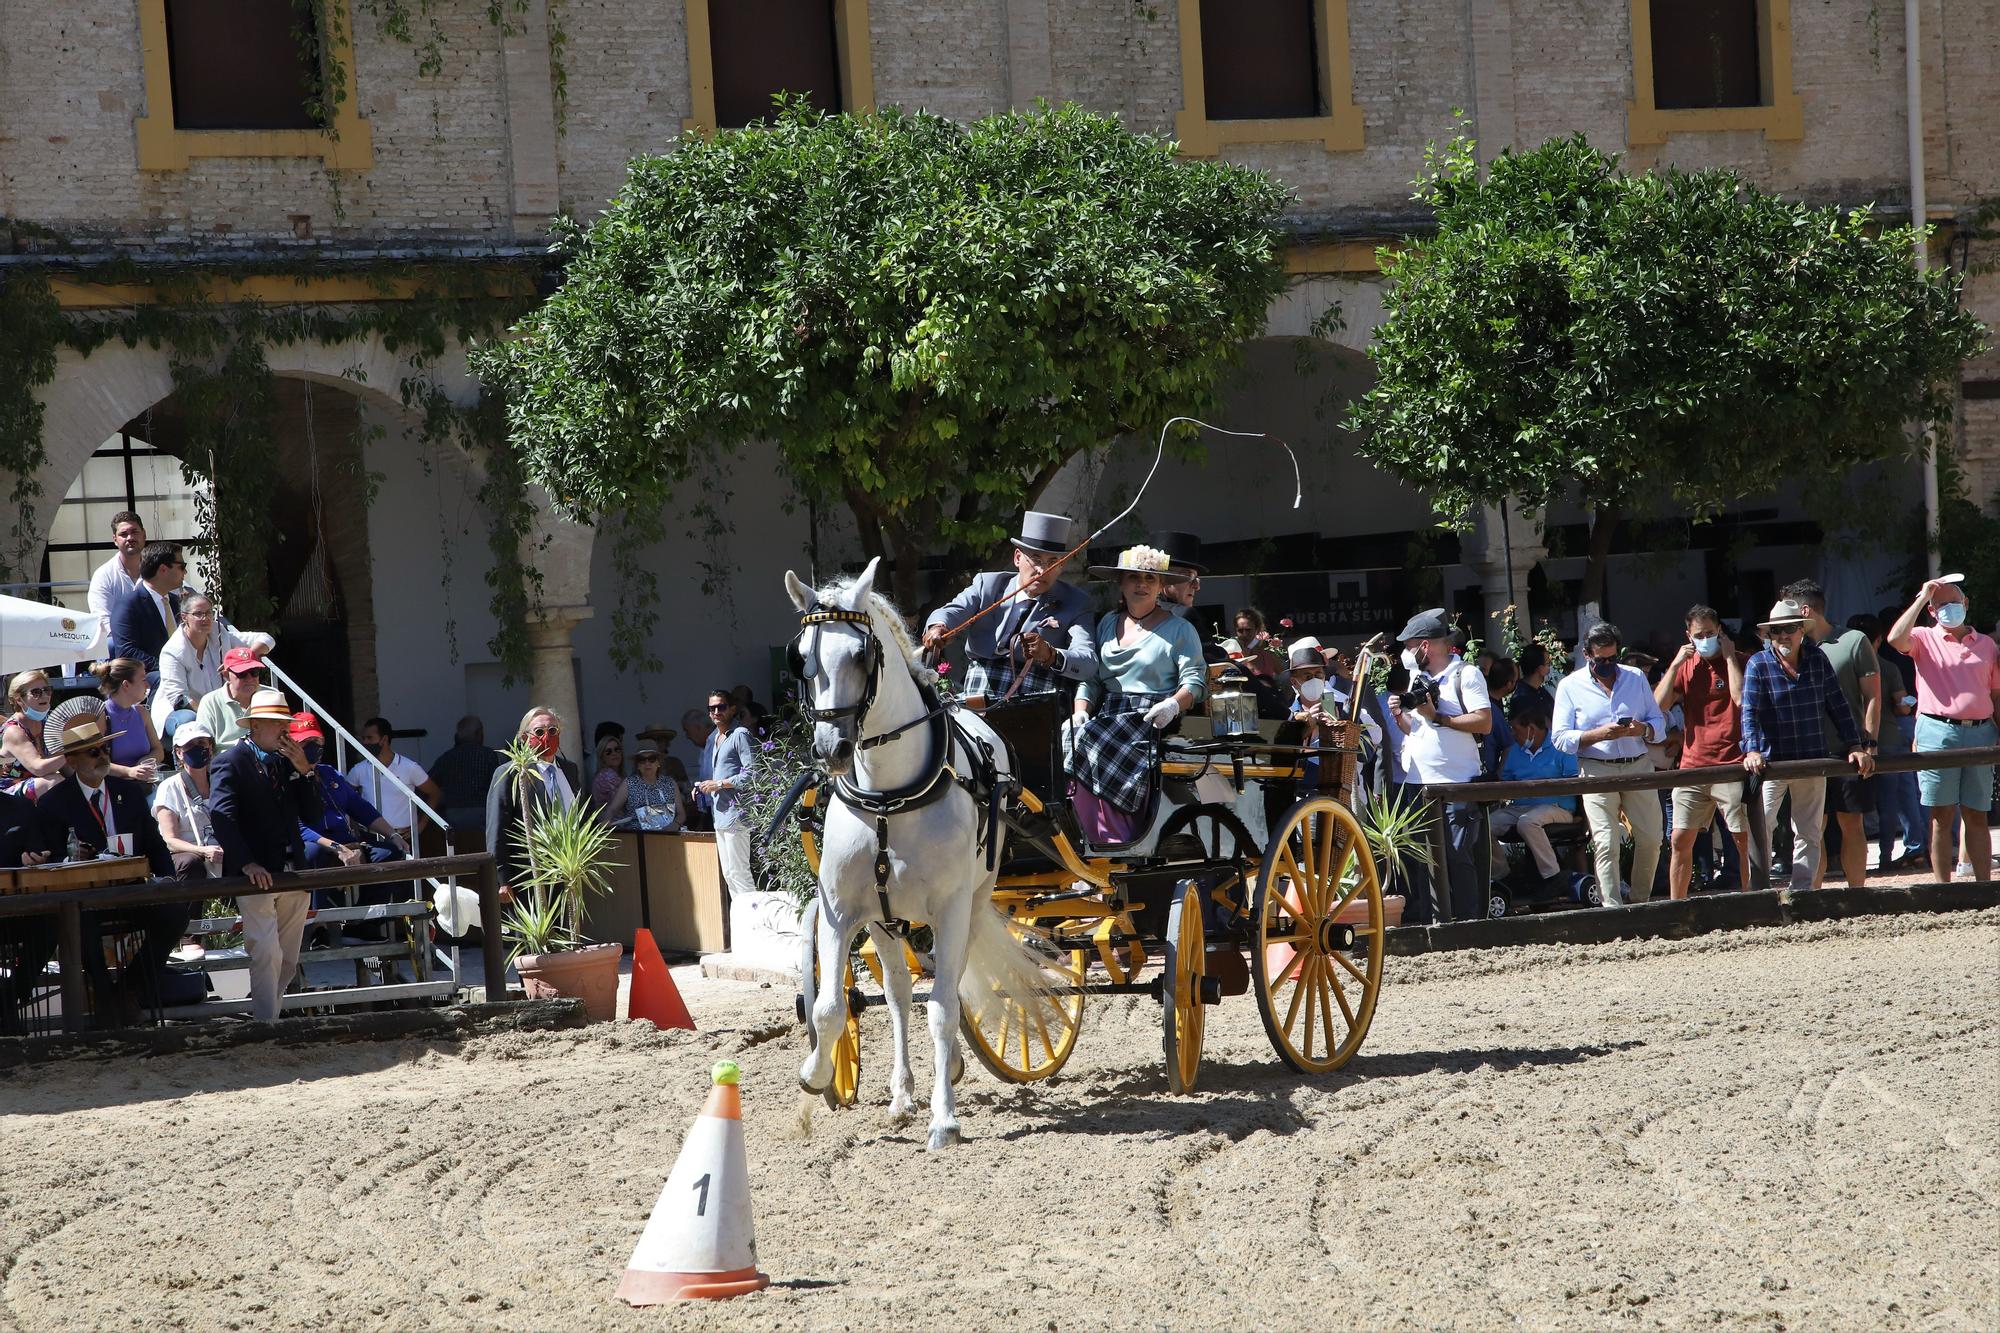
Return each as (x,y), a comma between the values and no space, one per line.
(34,634)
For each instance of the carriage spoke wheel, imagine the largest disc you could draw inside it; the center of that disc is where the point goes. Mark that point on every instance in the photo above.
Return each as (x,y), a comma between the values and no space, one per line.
(1181,985)
(1024,1043)
(845,1089)
(1316,936)
(1214,834)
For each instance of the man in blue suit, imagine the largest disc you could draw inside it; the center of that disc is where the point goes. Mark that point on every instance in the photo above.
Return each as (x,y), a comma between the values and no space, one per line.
(145,618)
(1040,642)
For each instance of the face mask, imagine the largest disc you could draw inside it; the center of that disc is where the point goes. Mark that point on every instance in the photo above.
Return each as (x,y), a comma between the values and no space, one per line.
(1781,648)
(1951,615)
(313,749)
(1410,662)
(1311,688)
(1708,645)
(546,745)
(34,714)
(195,756)
(1604,668)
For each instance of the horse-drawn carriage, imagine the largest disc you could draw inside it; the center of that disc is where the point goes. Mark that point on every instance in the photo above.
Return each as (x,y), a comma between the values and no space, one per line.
(1211,899)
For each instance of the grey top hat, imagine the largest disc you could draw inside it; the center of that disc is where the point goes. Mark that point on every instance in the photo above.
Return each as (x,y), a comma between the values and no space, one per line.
(1431,624)
(1044,534)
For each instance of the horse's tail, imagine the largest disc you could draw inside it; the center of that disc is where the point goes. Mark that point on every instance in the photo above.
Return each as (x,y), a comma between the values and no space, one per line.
(1002,967)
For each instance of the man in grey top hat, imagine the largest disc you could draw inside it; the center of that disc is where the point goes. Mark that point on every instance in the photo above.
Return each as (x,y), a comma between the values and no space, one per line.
(1040,641)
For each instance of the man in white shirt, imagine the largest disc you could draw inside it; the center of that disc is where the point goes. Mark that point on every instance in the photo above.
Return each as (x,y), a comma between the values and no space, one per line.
(384,795)
(1451,709)
(120,574)
(1605,716)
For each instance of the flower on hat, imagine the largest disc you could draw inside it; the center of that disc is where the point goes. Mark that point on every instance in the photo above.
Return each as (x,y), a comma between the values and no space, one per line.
(1144,559)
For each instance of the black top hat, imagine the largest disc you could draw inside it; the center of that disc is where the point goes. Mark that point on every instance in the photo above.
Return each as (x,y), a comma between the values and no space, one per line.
(1045,534)
(1183,548)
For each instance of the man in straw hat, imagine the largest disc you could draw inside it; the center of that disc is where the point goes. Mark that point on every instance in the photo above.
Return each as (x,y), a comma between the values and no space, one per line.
(1787,691)
(1039,642)
(262,793)
(109,813)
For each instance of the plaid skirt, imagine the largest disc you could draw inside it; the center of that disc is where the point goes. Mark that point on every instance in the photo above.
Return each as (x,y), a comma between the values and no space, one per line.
(994,676)
(1117,752)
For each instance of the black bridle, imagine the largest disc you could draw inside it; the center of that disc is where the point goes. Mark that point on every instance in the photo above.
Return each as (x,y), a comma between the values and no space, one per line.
(797,660)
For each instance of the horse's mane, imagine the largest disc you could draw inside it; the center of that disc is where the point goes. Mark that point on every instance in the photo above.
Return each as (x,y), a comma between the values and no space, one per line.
(885,612)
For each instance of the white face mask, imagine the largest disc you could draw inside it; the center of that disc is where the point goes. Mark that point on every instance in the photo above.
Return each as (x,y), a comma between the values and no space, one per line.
(1311,688)
(1951,615)
(1781,648)
(1708,645)
(1410,660)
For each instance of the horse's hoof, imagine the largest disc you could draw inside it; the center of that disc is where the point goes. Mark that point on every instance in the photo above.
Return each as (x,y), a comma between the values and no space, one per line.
(809,1089)
(944,1137)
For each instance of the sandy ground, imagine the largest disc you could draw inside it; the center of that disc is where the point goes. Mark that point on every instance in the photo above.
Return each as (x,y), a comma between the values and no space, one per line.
(1771,1129)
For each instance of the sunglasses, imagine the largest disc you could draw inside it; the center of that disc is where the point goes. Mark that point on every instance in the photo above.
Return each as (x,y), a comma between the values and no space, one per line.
(718,708)
(1785,631)
(545,731)
(37,692)
(94,752)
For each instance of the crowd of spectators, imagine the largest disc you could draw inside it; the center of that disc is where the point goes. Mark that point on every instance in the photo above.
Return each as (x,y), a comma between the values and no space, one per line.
(1804,689)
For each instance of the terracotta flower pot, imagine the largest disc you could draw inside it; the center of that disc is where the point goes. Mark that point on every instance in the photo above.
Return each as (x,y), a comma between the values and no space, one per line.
(589,974)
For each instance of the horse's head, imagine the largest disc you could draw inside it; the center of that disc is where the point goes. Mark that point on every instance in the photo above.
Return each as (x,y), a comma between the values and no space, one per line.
(838,661)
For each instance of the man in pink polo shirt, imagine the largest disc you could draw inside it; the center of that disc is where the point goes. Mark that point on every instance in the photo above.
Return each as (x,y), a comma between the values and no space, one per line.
(1958,686)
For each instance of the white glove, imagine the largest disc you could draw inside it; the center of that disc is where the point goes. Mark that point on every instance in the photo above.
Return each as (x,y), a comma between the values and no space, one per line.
(1070,727)
(1161,714)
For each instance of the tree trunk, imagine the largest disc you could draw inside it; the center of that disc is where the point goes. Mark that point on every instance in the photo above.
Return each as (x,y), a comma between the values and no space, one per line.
(1604,521)
(909,555)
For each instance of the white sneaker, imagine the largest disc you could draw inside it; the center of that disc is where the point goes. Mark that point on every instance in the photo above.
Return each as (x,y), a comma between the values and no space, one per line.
(1962,870)
(188,953)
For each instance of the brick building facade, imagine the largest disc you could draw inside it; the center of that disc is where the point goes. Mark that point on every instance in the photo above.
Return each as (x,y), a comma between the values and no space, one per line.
(517,123)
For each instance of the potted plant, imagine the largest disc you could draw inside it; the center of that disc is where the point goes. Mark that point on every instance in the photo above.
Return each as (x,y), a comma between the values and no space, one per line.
(568,860)
(1398,833)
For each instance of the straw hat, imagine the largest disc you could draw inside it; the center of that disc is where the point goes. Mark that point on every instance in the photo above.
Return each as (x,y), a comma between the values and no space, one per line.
(1140,560)
(1785,613)
(268,704)
(84,733)
(658,733)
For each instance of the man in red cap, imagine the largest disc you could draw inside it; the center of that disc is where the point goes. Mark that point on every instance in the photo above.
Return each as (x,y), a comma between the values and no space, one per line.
(221,711)
(349,830)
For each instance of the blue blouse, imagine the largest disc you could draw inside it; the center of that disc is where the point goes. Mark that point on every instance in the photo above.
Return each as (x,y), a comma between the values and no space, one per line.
(1167,657)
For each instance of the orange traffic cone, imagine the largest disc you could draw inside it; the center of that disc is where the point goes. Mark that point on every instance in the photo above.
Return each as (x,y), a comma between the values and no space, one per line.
(654,994)
(698,1244)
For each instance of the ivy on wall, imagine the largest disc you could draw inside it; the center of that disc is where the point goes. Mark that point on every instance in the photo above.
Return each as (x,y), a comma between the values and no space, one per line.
(223,389)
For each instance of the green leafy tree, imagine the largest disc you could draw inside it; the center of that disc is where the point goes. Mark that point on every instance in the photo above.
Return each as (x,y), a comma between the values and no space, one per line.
(1675,339)
(928,319)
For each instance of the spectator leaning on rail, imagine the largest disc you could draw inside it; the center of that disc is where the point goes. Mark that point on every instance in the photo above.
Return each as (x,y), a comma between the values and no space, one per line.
(1706,679)
(1958,687)
(1441,745)
(263,792)
(191,661)
(1849,800)
(1788,691)
(1606,715)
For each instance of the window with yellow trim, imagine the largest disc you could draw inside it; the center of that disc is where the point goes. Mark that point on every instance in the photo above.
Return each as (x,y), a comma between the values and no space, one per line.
(1703,65)
(249,78)
(1266,71)
(743,53)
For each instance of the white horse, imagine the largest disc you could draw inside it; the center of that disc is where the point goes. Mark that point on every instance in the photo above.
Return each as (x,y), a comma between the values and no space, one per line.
(869,733)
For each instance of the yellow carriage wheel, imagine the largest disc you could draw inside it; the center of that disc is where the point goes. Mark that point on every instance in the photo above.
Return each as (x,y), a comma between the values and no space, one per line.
(845,1089)
(1024,1043)
(1181,985)
(1316,936)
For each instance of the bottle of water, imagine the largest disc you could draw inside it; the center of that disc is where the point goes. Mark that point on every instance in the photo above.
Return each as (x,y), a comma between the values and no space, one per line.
(74,852)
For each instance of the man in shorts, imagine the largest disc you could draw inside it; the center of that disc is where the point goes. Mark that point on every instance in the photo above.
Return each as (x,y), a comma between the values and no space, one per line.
(1849,800)
(1706,678)
(1958,685)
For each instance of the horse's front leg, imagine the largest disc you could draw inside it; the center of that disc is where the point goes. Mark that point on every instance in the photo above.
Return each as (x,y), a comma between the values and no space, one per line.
(952,933)
(829,1009)
(896,984)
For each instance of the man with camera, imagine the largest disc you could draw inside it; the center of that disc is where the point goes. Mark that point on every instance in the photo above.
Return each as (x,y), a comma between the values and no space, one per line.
(1442,714)
(1605,716)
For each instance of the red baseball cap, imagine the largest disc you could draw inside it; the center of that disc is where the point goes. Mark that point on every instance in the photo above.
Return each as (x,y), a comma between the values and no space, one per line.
(239,660)
(304,725)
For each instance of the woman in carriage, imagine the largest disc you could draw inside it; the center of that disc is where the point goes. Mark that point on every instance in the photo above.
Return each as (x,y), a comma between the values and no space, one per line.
(1149,672)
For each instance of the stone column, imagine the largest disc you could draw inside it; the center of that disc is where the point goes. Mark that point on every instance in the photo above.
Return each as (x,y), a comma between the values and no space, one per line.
(1488,549)
(552,670)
